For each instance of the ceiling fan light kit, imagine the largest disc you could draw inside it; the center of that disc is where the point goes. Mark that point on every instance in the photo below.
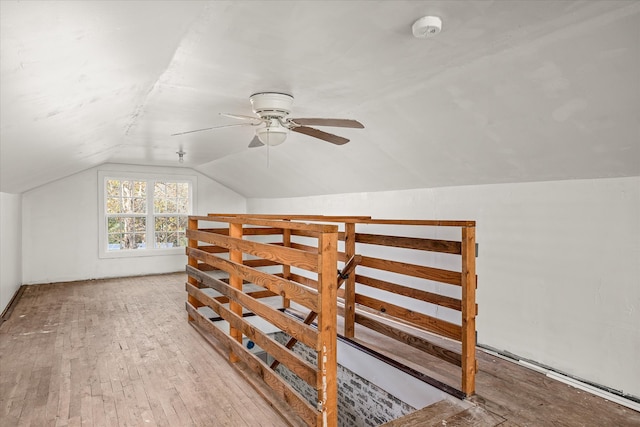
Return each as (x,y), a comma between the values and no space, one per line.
(271,111)
(272,134)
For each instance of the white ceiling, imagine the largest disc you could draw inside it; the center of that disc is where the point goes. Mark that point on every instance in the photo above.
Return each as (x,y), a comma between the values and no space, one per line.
(508,92)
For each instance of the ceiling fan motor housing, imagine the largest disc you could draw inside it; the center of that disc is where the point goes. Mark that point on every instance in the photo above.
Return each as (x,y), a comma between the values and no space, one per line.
(271,104)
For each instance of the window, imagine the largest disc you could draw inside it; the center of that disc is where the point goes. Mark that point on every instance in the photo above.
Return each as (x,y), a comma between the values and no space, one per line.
(144,215)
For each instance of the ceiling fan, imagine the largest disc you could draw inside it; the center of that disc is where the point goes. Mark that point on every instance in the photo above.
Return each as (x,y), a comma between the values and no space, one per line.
(271,111)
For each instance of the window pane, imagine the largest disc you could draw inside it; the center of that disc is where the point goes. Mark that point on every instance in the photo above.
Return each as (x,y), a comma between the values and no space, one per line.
(114,205)
(159,205)
(171,189)
(182,239)
(115,238)
(126,197)
(114,225)
(139,205)
(183,222)
(140,224)
(113,188)
(139,241)
(170,231)
(161,223)
(170,206)
(171,197)
(140,189)
(126,232)
(119,241)
(182,206)
(161,240)
(160,190)
(182,190)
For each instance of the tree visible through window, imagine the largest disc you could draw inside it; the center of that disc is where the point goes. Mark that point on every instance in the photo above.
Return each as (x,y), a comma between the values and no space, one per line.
(170,208)
(143,214)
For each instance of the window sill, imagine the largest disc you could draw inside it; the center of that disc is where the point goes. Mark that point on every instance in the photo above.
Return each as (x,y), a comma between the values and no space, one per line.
(135,253)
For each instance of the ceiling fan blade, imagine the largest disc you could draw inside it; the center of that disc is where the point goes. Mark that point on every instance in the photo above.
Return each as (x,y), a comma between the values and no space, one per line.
(214,127)
(241,117)
(255,142)
(343,123)
(317,133)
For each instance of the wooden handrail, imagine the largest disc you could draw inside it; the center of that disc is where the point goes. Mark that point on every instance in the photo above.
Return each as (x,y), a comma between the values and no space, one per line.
(320,261)
(310,243)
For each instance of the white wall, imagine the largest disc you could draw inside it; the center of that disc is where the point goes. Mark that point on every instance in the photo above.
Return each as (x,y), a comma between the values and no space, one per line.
(558,266)
(60,228)
(10,247)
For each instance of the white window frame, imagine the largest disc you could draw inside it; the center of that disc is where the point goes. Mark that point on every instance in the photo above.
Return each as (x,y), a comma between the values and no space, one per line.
(103,241)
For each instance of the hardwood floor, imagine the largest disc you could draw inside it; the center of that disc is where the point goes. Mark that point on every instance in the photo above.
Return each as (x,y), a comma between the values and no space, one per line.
(507,394)
(117,353)
(120,352)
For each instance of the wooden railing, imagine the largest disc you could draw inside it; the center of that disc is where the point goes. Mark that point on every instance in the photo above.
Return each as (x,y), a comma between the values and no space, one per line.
(205,247)
(421,289)
(378,257)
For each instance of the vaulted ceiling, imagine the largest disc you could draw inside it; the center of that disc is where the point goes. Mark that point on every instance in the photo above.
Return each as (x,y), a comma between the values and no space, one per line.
(507,92)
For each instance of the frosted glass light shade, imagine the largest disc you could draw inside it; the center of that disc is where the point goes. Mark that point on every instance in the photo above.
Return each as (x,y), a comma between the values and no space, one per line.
(274,135)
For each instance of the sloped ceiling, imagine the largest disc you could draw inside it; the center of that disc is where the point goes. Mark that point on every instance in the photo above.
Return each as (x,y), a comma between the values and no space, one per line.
(508,92)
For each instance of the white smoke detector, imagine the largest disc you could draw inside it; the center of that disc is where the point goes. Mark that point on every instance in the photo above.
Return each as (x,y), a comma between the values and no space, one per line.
(427,26)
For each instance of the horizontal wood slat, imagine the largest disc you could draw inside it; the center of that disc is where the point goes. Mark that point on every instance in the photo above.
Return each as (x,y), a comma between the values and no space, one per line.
(306,248)
(255,295)
(412,340)
(303,233)
(421,295)
(259,263)
(311,283)
(295,217)
(299,404)
(314,249)
(223,231)
(279,254)
(303,333)
(307,234)
(429,273)
(347,219)
(213,249)
(206,267)
(255,220)
(278,285)
(297,365)
(433,222)
(431,245)
(247,231)
(429,323)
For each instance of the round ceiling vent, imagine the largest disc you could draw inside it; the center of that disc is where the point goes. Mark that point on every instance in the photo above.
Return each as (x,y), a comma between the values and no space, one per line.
(427,26)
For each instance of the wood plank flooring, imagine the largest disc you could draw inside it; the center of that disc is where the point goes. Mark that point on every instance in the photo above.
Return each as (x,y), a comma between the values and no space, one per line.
(508,394)
(120,352)
(117,352)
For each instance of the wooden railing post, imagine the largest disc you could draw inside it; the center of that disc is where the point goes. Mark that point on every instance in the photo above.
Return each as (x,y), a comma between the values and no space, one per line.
(286,268)
(350,284)
(468,309)
(193,225)
(235,281)
(327,360)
